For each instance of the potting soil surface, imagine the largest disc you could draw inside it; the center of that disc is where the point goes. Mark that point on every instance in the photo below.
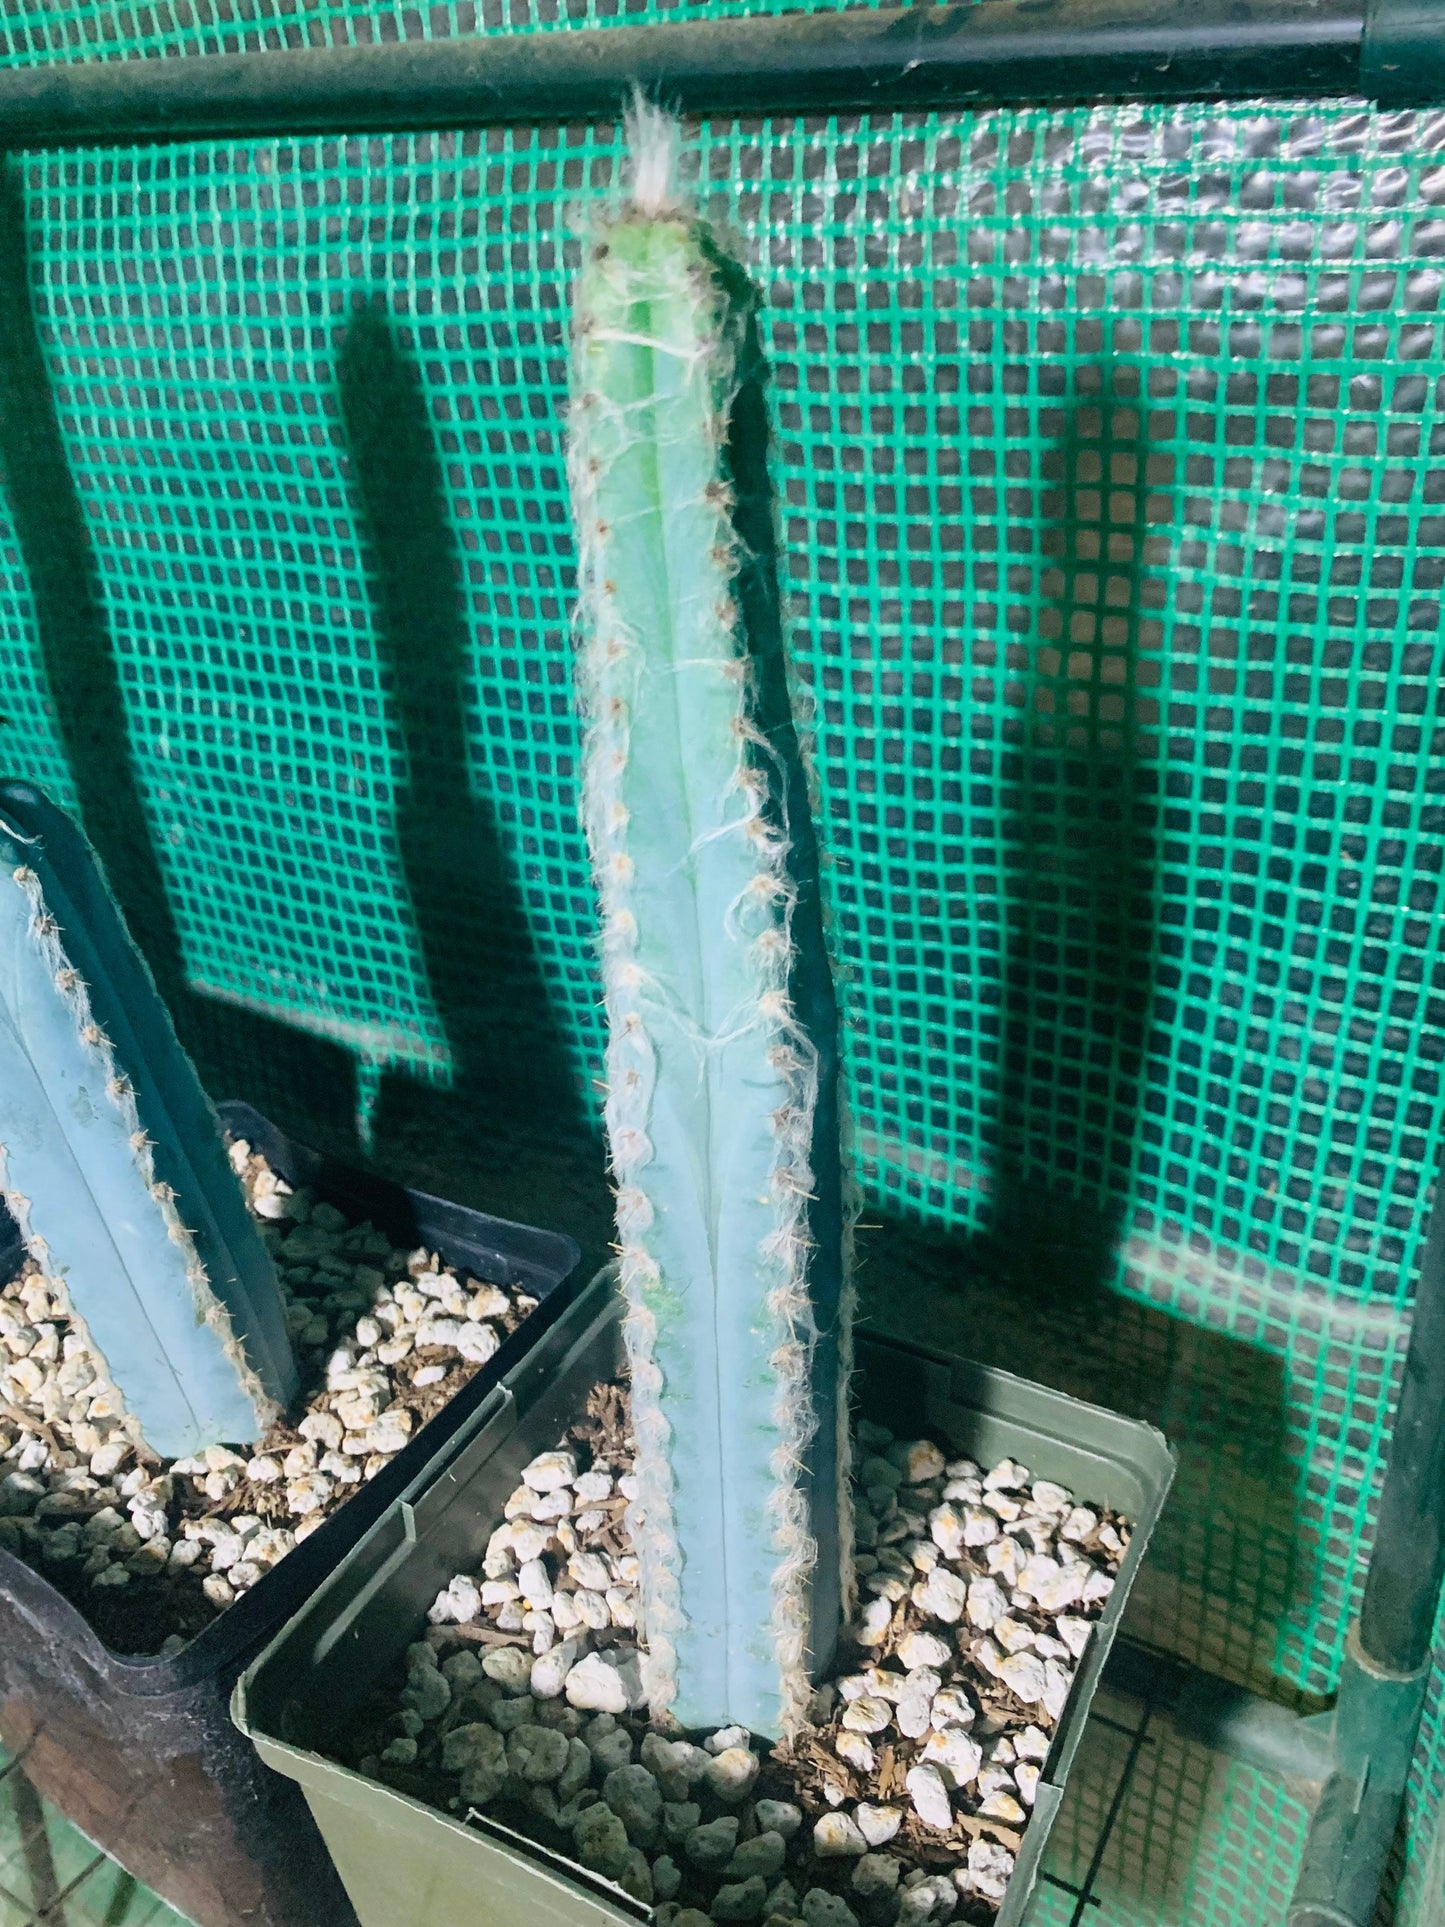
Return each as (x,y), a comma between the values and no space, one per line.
(152,1551)
(903,1801)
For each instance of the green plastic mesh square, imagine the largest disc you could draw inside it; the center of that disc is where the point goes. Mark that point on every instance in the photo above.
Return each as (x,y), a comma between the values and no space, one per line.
(26,714)
(1105,448)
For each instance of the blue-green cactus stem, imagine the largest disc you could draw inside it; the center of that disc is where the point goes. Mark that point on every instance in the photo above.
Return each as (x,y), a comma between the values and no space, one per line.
(113,1163)
(719,1069)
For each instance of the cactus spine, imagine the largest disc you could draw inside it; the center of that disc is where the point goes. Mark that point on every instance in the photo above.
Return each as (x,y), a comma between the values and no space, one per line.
(721,1102)
(111,1160)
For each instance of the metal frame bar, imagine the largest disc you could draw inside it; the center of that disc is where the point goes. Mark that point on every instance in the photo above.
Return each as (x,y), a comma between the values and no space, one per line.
(862,59)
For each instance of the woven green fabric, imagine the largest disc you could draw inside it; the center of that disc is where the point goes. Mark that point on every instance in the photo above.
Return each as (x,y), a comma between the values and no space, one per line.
(1104,444)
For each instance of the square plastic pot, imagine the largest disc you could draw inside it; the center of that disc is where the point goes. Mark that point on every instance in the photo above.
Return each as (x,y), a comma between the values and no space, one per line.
(140,1753)
(406,1864)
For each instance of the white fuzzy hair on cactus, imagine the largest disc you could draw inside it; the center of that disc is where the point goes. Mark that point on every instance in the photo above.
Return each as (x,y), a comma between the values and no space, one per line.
(652,146)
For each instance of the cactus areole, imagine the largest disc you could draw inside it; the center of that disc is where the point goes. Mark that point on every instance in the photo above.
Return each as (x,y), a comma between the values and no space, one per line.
(722,1107)
(112,1161)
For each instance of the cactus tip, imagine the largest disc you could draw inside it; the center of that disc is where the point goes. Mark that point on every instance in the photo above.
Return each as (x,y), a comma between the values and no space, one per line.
(652,137)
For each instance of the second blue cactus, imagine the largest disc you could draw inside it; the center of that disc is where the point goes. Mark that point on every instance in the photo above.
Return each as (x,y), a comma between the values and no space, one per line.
(112,1161)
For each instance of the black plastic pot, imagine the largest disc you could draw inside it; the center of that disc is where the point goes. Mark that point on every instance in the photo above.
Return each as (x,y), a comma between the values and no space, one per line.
(140,1754)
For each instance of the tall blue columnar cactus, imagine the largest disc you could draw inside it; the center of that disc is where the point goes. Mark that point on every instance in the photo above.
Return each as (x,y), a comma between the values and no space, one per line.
(112,1162)
(722,1104)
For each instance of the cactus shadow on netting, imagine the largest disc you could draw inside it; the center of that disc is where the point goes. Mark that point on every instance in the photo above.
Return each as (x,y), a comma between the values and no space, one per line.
(1076,1076)
(510,1065)
(81,670)
(238,1052)
(1080,790)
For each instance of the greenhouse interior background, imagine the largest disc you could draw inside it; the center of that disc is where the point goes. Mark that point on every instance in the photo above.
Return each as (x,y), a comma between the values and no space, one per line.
(1108,444)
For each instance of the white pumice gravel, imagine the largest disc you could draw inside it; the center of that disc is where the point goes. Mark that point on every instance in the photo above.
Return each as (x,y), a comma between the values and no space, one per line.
(153,1551)
(904,1804)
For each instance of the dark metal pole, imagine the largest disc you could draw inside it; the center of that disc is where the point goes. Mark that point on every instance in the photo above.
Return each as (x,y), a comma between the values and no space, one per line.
(917,56)
(1407,1564)
(1387,1662)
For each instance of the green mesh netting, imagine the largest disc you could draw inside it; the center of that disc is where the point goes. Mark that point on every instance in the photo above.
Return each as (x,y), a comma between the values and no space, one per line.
(1104,445)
